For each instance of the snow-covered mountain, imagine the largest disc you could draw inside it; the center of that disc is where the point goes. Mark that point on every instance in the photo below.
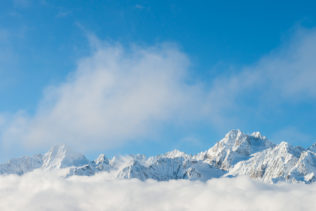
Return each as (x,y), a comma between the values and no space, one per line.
(236,154)
(233,148)
(271,165)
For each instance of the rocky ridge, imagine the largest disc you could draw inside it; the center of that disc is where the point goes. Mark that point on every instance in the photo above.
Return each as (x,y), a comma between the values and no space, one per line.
(236,154)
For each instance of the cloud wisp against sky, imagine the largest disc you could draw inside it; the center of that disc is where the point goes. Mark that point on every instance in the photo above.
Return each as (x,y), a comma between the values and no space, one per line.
(42,191)
(119,95)
(115,95)
(287,76)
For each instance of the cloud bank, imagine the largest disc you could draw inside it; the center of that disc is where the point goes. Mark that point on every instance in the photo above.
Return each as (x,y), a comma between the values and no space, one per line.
(46,191)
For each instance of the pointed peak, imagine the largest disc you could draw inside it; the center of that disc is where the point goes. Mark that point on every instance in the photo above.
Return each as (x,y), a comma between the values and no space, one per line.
(175,153)
(257,134)
(234,133)
(283,144)
(102,159)
(59,148)
(232,137)
(236,143)
(312,147)
(236,137)
(60,156)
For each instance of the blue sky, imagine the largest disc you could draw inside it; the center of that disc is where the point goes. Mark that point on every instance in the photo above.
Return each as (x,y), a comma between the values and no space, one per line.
(221,65)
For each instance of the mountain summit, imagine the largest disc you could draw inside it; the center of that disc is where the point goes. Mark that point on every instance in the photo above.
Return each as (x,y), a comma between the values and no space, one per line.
(235,147)
(62,156)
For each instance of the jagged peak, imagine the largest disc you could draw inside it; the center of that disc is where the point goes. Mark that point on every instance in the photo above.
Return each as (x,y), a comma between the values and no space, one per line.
(312,148)
(60,156)
(61,151)
(59,148)
(126,159)
(234,147)
(258,135)
(102,159)
(234,133)
(175,153)
(283,144)
(236,137)
(285,147)
(230,139)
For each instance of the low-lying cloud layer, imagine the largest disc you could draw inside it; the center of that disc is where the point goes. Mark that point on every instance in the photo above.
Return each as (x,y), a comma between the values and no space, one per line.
(46,191)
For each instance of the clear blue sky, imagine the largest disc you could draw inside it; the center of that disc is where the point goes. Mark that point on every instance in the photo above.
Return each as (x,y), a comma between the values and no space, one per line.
(41,42)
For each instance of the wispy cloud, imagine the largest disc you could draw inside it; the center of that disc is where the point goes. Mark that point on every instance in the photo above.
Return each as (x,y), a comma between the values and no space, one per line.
(286,76)
(114,96)
(44,191)
(120,94)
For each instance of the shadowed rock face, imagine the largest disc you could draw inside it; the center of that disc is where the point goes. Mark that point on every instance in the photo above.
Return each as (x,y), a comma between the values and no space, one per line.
(236,154)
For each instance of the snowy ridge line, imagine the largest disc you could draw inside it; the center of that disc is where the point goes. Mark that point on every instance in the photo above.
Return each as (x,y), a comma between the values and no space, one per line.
(236,154)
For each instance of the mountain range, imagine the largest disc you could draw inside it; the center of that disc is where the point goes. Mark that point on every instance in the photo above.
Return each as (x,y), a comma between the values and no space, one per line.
(236,154)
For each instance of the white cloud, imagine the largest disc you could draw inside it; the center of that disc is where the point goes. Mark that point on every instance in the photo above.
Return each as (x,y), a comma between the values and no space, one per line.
(116,95)
(291,71)
(285,76)
(43,191)
(2,120)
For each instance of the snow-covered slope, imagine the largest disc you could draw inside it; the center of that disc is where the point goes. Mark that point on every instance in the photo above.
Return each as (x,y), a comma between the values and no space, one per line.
(233,148)
(172,165)
(62,156)
(21,165)
(57,157)
(271,165)
(236,154)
